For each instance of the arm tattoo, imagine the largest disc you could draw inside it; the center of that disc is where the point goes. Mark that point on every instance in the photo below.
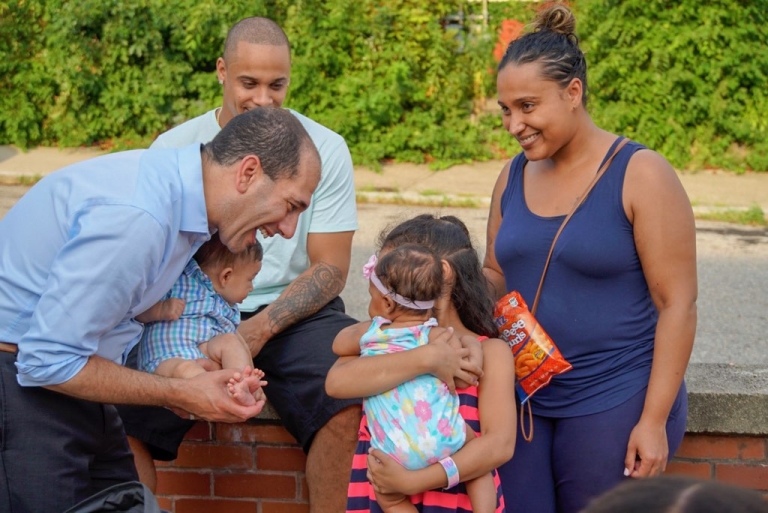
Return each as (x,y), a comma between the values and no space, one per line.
(305,296)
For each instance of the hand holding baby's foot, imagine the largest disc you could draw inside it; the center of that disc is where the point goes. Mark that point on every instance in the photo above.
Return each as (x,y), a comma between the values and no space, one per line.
(246,387)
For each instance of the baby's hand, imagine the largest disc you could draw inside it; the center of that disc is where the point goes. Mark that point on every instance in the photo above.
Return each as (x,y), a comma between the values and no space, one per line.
(171,309)
(166,310)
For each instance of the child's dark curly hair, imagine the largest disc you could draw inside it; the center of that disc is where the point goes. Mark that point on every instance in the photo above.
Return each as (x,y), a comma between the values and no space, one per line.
(412,271)
(449,238)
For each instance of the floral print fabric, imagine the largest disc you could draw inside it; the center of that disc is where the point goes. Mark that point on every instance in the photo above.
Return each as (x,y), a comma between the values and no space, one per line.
(417,422)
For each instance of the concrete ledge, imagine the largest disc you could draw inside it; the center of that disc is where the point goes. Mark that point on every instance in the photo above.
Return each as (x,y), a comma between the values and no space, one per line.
(268,413)
(727,399)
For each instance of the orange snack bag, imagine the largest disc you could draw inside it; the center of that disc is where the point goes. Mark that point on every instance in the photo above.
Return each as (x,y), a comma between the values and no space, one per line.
(537,358)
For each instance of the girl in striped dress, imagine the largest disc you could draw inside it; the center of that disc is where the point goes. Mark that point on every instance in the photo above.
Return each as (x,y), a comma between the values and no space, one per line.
(487,406)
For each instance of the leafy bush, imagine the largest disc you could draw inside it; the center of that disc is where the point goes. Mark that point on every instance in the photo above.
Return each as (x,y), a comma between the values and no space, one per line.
(100,71)
(24,82)
(389,78)
(684,78)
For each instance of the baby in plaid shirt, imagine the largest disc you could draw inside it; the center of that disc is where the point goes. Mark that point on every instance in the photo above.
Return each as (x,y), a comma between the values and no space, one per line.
(198,319)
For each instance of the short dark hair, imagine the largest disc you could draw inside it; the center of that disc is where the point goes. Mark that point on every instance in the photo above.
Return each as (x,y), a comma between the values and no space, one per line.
(255,30)
(677,494)
(214,252)
(412,271)
(273,134)
(554,45)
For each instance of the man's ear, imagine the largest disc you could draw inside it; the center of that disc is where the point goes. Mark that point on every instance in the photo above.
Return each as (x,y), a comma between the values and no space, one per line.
(224,276)
(221,69)
(249,171)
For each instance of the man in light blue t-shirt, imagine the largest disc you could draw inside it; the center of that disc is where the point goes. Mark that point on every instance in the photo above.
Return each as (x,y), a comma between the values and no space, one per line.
(294,312)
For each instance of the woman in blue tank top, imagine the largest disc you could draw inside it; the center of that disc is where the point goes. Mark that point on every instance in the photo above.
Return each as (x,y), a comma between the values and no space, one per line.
(619,298)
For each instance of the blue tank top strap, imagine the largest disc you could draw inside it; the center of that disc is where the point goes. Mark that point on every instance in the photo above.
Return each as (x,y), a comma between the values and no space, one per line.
(610,150)
(515,170)
(515,178)
(379,321)
(610,187)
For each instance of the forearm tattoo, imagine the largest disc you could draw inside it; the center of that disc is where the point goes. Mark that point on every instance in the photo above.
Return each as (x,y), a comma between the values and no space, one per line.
(305,296)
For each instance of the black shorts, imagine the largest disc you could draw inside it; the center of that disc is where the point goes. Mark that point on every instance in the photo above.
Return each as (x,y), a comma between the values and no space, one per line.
(295,363)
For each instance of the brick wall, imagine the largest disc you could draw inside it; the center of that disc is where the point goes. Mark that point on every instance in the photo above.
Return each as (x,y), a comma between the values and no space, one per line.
(235,468)
(734,459)
(258,468)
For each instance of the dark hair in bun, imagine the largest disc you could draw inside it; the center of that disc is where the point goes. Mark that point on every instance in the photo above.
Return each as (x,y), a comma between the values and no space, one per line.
(553,44)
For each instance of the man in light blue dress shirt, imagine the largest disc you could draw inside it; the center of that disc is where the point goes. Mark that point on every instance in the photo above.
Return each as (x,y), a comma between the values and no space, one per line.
(95,244)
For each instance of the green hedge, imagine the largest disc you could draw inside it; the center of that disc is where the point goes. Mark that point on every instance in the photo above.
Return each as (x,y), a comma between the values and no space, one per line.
(686,78)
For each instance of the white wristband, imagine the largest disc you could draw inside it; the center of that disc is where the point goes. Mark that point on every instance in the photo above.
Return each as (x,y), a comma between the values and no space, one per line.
(451,471)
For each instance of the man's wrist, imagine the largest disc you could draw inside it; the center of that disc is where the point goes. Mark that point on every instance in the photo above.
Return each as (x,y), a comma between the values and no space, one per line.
(175,393)
(253,332)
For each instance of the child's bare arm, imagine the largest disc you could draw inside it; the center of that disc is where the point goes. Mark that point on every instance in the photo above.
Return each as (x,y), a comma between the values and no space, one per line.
(347,342)
(353,376)
(166,310)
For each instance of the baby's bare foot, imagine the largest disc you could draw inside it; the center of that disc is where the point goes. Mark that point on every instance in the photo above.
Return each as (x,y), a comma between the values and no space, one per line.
(246,387)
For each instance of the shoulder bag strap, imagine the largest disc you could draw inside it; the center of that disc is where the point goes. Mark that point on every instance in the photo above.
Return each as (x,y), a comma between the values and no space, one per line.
(599,173)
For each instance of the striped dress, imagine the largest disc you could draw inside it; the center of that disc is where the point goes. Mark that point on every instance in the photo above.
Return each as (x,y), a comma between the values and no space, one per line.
(360,495)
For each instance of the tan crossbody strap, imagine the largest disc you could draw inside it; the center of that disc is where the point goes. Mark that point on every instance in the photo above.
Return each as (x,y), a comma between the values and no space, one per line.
(599,173)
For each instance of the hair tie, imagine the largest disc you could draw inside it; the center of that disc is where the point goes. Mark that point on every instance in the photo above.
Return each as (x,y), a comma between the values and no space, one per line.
(369,271)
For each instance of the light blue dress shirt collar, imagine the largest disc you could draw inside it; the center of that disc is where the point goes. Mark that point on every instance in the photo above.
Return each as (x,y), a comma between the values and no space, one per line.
(194,215)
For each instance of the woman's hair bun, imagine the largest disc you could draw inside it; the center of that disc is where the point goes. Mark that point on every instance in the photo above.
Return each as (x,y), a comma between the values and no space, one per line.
(557,18)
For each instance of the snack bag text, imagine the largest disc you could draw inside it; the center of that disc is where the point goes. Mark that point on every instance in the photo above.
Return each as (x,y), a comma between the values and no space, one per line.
(537,358)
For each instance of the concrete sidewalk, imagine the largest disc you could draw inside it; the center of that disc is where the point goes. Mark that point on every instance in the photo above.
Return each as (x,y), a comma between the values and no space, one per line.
(467,185)
(471,185)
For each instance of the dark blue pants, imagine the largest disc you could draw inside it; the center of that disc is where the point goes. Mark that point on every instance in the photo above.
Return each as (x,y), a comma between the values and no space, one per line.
(55,450)
(571,460)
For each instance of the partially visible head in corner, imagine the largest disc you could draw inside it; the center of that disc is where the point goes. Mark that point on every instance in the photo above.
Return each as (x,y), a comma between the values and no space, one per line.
(677,494)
